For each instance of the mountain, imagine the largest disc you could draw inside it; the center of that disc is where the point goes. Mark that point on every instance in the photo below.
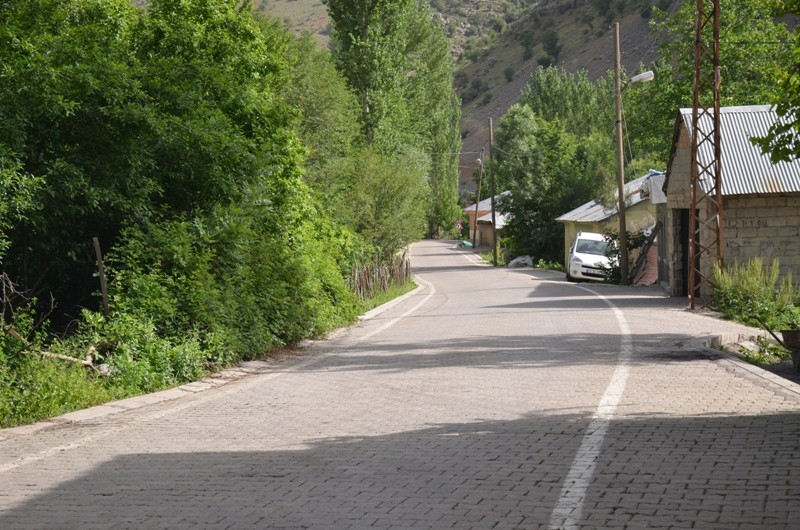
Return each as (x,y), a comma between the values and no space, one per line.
(498,43)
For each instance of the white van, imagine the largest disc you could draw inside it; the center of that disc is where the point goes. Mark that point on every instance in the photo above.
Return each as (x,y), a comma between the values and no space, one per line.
(587,257)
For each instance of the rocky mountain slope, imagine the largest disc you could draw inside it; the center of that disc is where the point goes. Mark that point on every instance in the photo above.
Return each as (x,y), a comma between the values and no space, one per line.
(498,43)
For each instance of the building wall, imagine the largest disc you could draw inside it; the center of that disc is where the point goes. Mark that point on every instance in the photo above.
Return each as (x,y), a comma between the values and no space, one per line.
(766,227)
(485,235)
(484,238)
(471,214)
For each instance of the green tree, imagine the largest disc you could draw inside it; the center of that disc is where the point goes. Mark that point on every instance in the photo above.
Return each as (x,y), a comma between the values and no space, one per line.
(71,110)
(753,43)
(551,44)
(16,193)
(436,110)
(136,118)
(783,141)
(582,105)
(548,171)
(397,61)
(329,127)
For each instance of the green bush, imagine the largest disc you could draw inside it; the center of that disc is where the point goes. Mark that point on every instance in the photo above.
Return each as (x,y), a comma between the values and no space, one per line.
(41,388)
(32,386)
(749,289)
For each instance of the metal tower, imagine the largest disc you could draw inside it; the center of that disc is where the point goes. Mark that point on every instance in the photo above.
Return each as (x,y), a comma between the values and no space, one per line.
(705,225)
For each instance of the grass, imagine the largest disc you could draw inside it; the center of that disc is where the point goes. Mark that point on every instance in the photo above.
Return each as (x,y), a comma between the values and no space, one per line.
(766,354)
(387,296)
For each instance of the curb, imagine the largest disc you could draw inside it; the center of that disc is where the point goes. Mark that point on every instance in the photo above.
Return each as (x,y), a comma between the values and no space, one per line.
(719,344)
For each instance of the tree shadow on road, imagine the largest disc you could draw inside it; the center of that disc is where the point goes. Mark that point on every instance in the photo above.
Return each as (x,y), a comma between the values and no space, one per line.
(655,472)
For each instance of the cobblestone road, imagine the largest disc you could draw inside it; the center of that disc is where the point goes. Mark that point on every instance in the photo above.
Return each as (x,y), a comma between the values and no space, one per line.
(488,398)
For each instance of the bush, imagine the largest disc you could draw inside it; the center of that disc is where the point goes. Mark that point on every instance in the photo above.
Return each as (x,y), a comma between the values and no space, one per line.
(34,387)
(634,240)
(41,388)
(753,289)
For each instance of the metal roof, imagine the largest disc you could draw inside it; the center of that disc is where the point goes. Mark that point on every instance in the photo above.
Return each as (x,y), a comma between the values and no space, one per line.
(745,170)
(499,219)
(593,211)
(486,204)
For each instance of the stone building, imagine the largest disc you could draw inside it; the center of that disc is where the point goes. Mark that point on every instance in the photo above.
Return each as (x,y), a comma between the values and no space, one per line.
(760,200)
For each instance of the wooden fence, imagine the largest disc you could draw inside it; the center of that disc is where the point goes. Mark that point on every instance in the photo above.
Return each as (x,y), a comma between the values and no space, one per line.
(367,280)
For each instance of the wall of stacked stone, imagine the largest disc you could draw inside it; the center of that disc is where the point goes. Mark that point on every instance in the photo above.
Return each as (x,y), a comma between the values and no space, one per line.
(766,227)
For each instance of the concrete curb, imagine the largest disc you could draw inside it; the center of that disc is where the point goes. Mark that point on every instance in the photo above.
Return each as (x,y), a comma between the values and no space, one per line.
(720,344)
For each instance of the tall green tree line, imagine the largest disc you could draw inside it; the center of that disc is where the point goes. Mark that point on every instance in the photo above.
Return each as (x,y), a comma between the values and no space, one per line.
(225,167)
(397,62)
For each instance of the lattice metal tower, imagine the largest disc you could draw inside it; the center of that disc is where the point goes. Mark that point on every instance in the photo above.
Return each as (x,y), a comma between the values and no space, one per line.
(705,225)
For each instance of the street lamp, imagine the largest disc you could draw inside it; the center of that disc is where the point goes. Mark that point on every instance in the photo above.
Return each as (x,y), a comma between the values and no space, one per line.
(477,200)
(623,233)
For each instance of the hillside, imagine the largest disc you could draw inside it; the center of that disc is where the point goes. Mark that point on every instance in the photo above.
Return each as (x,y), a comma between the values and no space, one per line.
(498,43)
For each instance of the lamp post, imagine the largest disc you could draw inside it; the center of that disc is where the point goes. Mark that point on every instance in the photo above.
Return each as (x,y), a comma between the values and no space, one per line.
(623,233)
(477,200)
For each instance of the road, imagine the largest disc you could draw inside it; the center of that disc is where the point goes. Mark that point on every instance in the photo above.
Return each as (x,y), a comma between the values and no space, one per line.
(488,398)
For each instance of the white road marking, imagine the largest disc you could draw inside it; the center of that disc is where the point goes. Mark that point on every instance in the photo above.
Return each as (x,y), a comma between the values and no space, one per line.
(390,323)
(569,509)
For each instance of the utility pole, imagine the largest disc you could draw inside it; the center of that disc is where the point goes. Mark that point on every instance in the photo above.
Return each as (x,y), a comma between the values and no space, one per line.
(705,214)
(477,201)
(623,230)
(492,192)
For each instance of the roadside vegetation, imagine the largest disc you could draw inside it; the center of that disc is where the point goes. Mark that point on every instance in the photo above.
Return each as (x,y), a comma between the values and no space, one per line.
(555,148)
(754,294)
(240,185)
(235,182)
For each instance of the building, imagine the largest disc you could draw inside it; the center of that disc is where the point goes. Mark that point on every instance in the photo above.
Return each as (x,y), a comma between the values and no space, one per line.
(483,214)
(641,197)
(760,200)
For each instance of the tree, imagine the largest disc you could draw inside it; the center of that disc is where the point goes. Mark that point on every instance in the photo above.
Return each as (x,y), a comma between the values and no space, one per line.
(582,105)
(436,109)
(783,141)
(16,193)
(131,118)
(753,43)
(548,171)
(329,127)
(397,61)
(71,109)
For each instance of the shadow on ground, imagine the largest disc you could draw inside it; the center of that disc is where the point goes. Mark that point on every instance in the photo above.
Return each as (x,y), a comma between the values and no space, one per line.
(707,472)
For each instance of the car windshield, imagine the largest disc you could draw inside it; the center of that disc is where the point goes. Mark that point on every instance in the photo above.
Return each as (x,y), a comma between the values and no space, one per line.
(588,246)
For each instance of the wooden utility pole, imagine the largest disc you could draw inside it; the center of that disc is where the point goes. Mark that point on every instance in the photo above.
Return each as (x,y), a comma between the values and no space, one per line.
(623,227)
(492,192)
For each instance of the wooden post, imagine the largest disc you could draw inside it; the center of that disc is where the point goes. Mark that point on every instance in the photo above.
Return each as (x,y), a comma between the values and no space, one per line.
(101,273)
(623,229)
(492,192)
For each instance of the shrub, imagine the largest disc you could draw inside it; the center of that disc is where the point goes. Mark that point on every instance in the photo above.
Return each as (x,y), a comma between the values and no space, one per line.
(41,388)
(753,289)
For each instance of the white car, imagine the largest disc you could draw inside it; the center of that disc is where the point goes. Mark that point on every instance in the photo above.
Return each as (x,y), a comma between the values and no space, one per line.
(587,257)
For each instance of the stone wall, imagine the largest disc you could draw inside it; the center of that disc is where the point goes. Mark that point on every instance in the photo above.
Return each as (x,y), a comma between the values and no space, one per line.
(766,227)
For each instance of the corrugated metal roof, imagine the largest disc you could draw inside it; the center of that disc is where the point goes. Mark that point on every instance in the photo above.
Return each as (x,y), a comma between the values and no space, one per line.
(593,211)
(745,170)
(486,204)
(499,219)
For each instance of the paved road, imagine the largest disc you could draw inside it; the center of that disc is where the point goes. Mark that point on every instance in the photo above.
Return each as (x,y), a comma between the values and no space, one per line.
(489,398)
